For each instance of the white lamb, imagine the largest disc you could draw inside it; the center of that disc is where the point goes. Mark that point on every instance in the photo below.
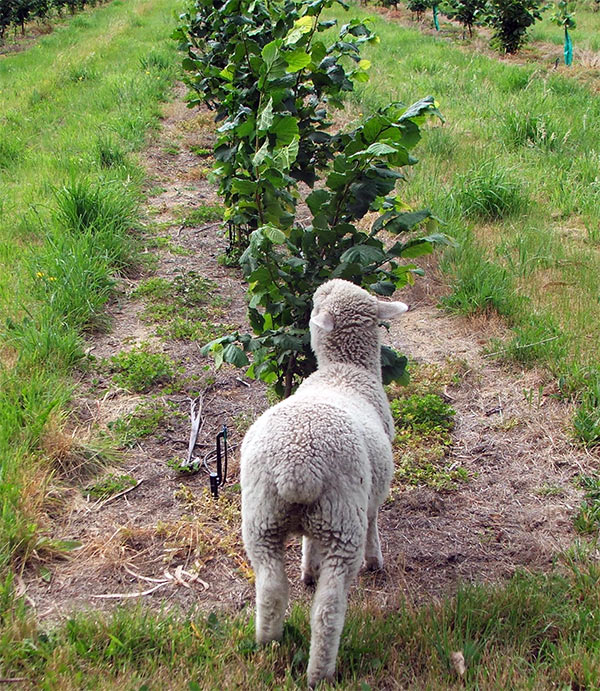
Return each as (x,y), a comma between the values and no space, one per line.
(320,463)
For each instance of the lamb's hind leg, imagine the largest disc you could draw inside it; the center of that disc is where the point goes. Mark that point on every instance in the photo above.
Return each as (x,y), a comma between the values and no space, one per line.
(311,560)
(328,612)
(271,591)
(373,556)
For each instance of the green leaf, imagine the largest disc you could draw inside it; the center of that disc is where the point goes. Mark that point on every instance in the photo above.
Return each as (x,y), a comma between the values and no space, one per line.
(265,119)
(363,254)
(235,355)
(317,199)
(242,186)
(400,223)
(270,53)
(286,129)
(393,366)
(260,156)
(297,60)
(275,235)
(286,155)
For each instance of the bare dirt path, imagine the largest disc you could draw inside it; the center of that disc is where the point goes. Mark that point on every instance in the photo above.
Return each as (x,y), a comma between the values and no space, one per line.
(168,539)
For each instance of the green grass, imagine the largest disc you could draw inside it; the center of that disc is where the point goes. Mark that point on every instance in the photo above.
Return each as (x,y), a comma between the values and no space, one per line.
(140,370)
(535,631)
(74,108)
(184,309)
(144,421)
(108,485)
(513,173)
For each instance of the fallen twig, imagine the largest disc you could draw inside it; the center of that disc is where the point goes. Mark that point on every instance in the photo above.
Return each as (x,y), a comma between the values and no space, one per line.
(120,494)
(113,596)
(522,347)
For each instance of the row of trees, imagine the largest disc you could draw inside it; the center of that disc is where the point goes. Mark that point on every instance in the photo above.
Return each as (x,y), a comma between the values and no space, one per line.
(16,13)
(305,201)
(509,20)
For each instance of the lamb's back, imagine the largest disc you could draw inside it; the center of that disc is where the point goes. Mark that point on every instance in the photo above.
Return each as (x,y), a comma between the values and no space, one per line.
(317,437)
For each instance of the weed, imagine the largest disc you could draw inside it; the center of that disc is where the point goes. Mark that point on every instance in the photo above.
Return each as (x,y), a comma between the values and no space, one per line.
(11,151)
(203,214)
(479,286)
(166,243)
(172,149)
(157,61)
(109,485)
(140,370)
(537,341)
(530,129)
(182,307)
(145,421)
(587,519)
(550,491)
(587,416)
(423,440)
(489,192)
(109,153)
(428,413)
(201,151)
(84,205)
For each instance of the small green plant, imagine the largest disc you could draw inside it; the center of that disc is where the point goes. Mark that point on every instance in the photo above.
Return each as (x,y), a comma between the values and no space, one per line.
(479,286)
(203,214)
(587,417)
(587,519)
(424,422)
(109,485)
(109,153)
(140,370)
(427,413)
(145,421)
(418,7)
(201,151)
(531,129)
(490,193)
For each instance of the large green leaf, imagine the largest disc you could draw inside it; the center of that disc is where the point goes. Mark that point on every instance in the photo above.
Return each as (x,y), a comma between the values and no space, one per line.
(297,60)
(393,366)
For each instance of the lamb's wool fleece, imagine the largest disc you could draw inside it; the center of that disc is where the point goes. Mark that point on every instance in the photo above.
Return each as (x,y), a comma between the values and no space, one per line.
(320,464)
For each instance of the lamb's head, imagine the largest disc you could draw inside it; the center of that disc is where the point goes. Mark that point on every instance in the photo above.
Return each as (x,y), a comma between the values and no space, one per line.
(344,324)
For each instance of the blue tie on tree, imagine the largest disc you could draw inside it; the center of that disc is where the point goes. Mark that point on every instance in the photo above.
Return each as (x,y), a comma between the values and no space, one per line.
(435,19)
(568,48)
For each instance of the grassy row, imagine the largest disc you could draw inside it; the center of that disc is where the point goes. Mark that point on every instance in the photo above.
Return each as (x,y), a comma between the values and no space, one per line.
(74,109)
(533,632)
(514,173)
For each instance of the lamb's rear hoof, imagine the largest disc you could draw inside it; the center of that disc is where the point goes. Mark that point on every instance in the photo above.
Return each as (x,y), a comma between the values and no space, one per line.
(374,563)
(307,578)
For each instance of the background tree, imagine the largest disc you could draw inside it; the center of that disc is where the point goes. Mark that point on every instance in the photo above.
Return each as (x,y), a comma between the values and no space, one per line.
(510,20)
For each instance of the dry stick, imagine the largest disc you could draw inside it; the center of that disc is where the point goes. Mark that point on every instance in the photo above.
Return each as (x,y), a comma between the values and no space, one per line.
(122,595)
(522,347)
(120,494)
(196,419)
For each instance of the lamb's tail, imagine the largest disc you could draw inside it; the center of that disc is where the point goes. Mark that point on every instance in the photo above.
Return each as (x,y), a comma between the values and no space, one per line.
(299,483)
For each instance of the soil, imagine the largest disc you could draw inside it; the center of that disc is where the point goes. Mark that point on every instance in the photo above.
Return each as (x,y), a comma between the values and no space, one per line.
(170,535)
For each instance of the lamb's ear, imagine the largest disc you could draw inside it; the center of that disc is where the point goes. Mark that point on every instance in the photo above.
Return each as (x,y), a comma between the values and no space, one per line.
(323,320)
(390,310)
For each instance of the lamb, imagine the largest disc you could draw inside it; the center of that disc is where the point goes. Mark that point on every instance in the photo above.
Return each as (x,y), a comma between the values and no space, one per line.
(320,464)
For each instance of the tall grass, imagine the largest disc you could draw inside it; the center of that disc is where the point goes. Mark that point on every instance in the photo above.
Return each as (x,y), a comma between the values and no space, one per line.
(514,173)
(73,109)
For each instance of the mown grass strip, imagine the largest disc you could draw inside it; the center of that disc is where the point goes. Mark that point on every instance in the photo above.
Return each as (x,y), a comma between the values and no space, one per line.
(75,108)
(535,631)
